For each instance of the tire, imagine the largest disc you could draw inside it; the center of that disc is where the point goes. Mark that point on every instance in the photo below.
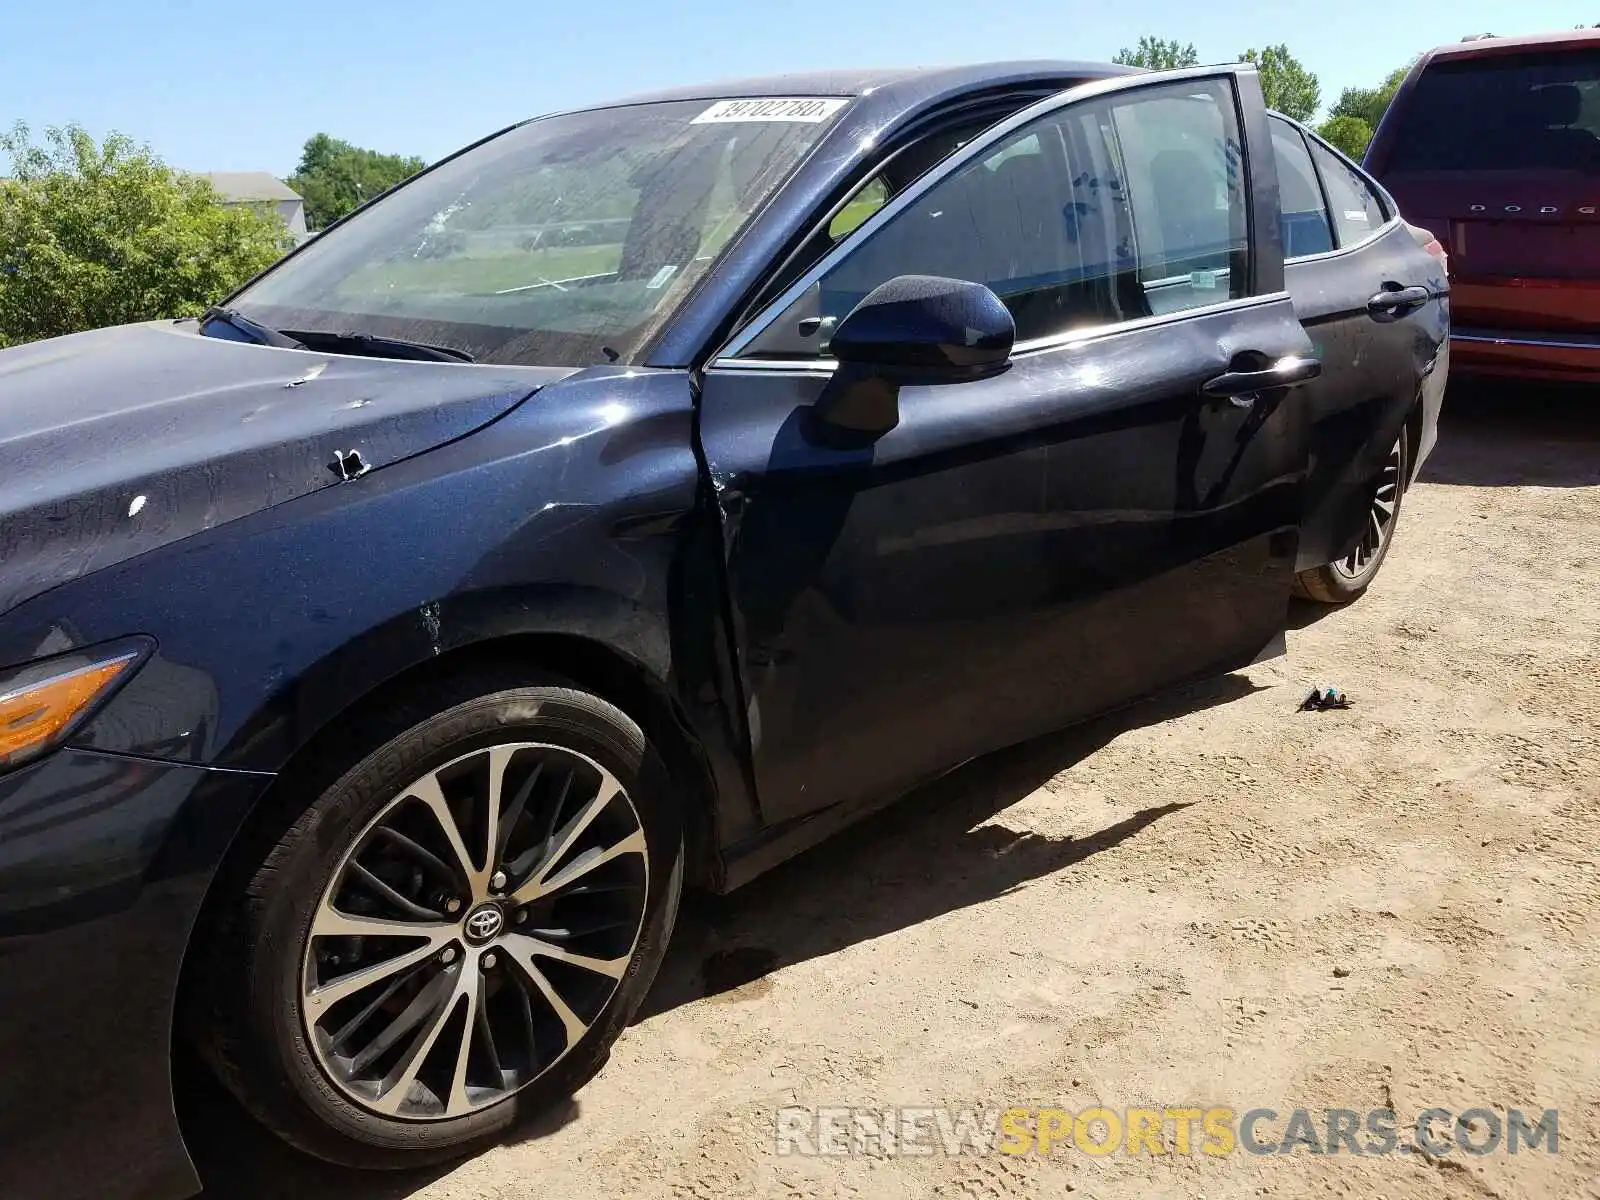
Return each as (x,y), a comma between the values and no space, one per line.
(1347,579)
(281,1017)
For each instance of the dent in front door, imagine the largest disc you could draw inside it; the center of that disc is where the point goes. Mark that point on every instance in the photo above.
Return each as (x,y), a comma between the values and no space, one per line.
(874,588)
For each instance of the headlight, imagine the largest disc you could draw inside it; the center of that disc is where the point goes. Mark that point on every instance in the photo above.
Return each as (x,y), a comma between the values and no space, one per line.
(41,703)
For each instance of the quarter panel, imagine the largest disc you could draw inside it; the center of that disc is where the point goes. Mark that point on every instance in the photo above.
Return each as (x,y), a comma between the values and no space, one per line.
(1373,373)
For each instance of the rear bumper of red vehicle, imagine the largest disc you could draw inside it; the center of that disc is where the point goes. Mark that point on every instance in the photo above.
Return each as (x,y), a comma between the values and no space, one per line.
(1526,328)
(1522,354)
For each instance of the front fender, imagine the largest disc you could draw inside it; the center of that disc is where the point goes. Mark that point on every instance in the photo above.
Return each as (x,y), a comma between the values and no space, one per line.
(624,625)
(573,514)
(566,516)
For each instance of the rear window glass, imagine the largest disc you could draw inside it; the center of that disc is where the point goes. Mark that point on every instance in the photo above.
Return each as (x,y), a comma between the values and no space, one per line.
(1304,219)
(1357,211)
(1516,113)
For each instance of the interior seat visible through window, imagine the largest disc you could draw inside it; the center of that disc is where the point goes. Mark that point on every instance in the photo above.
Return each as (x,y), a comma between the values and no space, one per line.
(1552,112)
(1534,110)
(1186,200)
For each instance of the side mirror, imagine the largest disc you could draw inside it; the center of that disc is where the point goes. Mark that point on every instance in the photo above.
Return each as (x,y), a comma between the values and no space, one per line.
(925,329)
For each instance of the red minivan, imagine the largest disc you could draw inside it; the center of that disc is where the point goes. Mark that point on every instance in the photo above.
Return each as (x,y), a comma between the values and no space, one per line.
(1494,146)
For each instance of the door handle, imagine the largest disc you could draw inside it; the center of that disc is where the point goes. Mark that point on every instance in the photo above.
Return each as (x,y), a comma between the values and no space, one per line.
(1240,386)
(1399,299)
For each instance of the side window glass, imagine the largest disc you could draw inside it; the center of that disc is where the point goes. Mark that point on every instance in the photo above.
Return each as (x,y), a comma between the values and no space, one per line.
(1102,212)
(872,196)
(1357,211)
(1182,163)
(900,170)
(1304,216)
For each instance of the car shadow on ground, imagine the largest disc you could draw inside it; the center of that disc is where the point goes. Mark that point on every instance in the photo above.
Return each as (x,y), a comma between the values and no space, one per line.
(929,853)
(1510,434)
(238,1159)
(1305,613)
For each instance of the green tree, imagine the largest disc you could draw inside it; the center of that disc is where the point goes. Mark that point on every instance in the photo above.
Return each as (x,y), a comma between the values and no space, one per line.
(1354,117)
(1369,104)
(335,178)
(1157,54)
(1350,134)
(95,234)
(1288,86)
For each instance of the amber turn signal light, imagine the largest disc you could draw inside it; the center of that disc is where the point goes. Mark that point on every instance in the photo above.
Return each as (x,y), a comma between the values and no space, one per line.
(40,703)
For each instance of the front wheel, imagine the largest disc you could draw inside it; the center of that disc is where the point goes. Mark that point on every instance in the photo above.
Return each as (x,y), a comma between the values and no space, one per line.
(1346,579)
(453,933)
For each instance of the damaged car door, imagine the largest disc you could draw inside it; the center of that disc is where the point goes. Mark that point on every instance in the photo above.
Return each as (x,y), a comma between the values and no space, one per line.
(1108,506)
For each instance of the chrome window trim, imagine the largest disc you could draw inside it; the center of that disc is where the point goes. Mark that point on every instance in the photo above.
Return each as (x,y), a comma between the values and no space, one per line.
(1059,341)
(1078,337)
(1322,256)
(807,366)
(973,150)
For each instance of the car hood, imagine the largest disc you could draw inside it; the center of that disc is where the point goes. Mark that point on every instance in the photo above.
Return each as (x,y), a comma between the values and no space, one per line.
(118,441)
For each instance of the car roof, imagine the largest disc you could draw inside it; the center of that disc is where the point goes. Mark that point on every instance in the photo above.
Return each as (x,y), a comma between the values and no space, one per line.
(885,82)
(1488,47)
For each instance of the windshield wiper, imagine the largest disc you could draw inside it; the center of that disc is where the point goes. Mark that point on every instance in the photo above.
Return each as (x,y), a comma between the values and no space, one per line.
(378,347)
(254,330)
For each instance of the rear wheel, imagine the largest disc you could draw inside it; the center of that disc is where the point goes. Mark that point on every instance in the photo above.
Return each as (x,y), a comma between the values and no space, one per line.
(453,933)
(1346,579)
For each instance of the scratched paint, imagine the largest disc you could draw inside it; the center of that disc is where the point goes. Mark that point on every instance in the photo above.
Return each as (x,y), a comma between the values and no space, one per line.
(431,624)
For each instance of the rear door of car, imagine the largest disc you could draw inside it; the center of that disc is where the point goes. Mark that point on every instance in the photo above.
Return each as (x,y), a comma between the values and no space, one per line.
(1115,511)
(1374,303)
(1497,152)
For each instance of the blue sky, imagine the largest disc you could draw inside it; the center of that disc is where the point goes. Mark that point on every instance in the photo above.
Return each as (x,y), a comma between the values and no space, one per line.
(240,86)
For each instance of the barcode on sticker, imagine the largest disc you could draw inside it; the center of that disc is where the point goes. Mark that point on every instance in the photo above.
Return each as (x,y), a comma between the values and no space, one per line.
(810,110)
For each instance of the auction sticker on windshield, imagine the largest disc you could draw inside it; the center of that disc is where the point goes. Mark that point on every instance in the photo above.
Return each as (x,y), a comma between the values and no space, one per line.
(810,110)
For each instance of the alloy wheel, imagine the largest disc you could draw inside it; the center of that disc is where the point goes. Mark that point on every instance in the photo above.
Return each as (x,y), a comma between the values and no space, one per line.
(1380,518)
(474,931)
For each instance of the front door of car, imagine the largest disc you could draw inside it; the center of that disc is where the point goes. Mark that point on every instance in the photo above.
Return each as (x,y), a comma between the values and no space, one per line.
(1115,511)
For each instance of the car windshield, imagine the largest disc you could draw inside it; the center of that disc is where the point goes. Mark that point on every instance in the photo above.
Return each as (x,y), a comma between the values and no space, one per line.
(563,242)
(1520,112)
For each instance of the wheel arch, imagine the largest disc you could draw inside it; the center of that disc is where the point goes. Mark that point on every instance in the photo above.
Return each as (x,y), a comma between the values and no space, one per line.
(558,648)
(581,660)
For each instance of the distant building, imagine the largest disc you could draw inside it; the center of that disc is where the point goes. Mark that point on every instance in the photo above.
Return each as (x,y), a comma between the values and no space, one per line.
(260,190)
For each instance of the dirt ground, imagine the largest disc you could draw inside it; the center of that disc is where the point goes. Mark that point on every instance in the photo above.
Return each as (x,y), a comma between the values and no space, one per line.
(1212,898)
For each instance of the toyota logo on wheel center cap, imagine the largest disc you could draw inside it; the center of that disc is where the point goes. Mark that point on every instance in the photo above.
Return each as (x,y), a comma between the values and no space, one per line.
(484,923)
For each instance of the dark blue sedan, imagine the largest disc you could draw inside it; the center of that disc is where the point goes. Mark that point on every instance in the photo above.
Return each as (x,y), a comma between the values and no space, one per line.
(624,504)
